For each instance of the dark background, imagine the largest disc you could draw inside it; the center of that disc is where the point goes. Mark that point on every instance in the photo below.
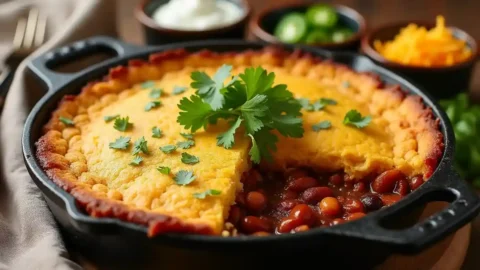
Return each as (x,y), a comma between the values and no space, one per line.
(464,14)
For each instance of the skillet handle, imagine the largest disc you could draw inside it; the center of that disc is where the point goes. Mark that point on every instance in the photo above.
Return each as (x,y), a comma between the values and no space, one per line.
(42,65)
(463,207)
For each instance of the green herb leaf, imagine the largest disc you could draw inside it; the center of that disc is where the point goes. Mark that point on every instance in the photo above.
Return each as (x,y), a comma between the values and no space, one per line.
(152,104)
(187,136)
(186,144)
(184,177)
(140,145)
(305,103)
(189,159)
(209,89)
(164,169)
(136,161)
(263,143)
(66,121)
(156,132)
(147,84)
(155,93)
(120,143)
(109,118)
(122,124)
(227,139)
(354,118)
(168,148)
(209,192)
(257,80)
(177,90)
(194,113)
(322,125)
(321,103)
(346,84)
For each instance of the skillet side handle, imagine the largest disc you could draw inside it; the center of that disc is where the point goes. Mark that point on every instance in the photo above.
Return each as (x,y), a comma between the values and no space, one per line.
(464,206)
(42,65)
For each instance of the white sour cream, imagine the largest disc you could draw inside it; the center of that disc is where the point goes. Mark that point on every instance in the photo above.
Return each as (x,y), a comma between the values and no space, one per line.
(197,14)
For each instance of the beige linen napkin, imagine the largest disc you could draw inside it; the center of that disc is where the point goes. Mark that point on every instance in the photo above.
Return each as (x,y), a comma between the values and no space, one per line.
(29,238)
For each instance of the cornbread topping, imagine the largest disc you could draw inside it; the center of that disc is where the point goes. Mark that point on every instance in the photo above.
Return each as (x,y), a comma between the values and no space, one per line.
(123,148)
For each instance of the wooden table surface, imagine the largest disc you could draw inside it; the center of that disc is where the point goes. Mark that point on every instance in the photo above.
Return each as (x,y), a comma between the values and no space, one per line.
(376,12)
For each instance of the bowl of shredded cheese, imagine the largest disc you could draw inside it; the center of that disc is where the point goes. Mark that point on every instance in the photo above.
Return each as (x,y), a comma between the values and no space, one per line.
(437,57)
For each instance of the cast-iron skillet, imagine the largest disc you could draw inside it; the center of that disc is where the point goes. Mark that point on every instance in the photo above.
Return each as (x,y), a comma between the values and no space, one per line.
(360,244)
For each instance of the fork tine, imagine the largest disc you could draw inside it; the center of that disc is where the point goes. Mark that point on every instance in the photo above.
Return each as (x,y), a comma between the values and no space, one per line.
(19,33)
(31,25)
(40,30)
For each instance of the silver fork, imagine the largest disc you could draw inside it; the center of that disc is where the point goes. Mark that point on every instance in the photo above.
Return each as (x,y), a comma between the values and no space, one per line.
(29,35)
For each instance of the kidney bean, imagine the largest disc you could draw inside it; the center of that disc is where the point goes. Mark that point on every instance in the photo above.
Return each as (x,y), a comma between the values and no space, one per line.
(389,199)
(251,224)
(287,205)
(402,187)
(386,181)
(316,194)
(256,201)
(371,202)
(301,184)
(303,213)
(261,233)
(288,224)
(336,179)
(337,221)
(330,206)
(359,187)
(353,206)
(236,214)
(416,182)
(301,228)
(355,216)
(288,194)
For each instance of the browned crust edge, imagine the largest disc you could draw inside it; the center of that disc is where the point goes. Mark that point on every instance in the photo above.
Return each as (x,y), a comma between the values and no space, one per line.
(48,151)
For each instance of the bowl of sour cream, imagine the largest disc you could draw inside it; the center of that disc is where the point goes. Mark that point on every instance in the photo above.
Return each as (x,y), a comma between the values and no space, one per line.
(167,21)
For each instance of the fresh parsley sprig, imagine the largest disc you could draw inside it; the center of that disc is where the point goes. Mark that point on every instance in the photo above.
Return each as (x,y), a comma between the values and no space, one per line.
(354,118)
(250,101)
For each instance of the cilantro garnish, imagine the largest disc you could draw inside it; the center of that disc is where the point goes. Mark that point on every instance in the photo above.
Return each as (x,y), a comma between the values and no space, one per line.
(177,90)
(66,121)
(346,84)
(120,143)
(140,145)
(109,118)
(203,195)
(322,125)
(189,159)
(305,103)
(156,132)
(147,84)
(186,144)
(136,161)
(152,104)
(155,93)
(164,169)
(187,135)
(184,177)
(251,100)
(354,118)
(168,148)
(317,105)
(122,124)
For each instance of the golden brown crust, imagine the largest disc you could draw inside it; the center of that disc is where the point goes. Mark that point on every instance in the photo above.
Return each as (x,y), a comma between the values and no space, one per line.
(57,139)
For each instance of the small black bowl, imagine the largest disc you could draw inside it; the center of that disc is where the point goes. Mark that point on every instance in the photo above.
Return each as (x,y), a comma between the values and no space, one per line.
(158,35)
(263,25)
(440,82)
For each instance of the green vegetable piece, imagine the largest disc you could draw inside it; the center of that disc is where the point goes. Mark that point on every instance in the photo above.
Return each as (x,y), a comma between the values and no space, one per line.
(203,195)
(177,90)
(322,125)
(317,36)
(354,118)
(189,159)
(184,177)
(155,93)
(147,84)
(187,135)
(140,145)
(156,132)
(122,124)
(167,149)
(109,118)
(136,161)
(321,15)
(341,35)
(291,28)
(186,144)
(120,143)
(152,104)
(164,170)
(66,121)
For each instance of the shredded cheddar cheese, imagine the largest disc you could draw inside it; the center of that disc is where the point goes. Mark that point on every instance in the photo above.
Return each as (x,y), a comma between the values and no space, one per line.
(417,46)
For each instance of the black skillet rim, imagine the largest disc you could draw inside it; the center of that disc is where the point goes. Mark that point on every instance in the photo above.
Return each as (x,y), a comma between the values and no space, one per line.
(444,166)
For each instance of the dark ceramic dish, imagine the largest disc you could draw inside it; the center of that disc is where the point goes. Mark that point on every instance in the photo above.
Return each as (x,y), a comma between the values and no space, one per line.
(262,26)
(359,244)
(440,82)
(156,35)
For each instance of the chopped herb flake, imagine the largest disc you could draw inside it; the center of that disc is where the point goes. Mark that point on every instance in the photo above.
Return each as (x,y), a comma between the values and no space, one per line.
(168,148)
(156,132)
(187,135)
(210,192)
(152,104)
(147,84)
(120,143)
(354,118)
(122,124)
(136,161)
(155,93)
(140,145)
(164,169)
(186,144)
(184,177)
(346,84)
(322,125)
(66,121)
(177,90)
(109,118)
(189,159)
